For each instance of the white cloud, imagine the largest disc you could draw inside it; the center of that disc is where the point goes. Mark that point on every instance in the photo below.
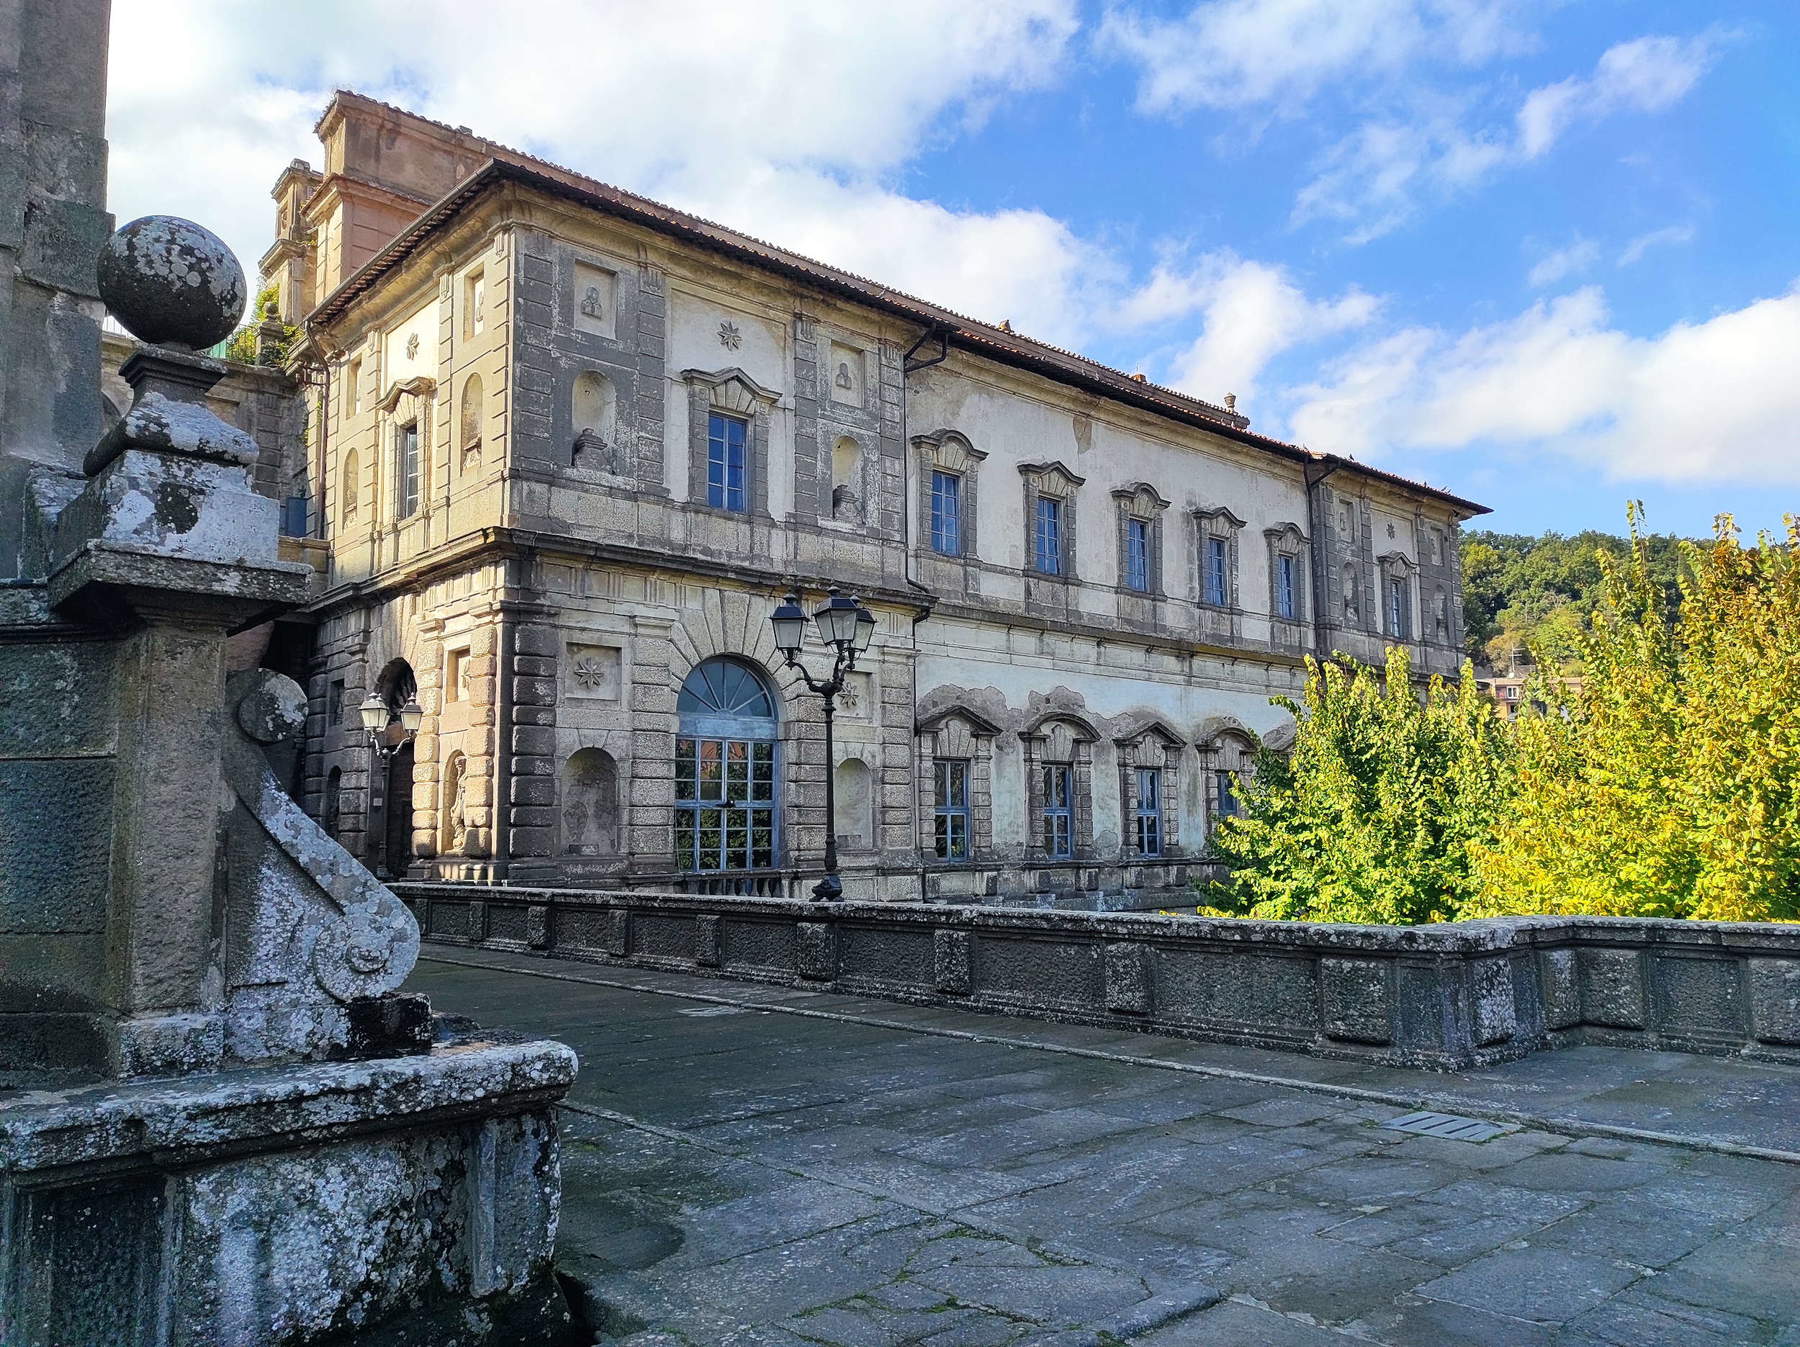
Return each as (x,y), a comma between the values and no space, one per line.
(1673,235)
(1250,53)
(1374,180)
(1647,74)
(1560,263)
(1250,313)
(1710,401)
(814,101)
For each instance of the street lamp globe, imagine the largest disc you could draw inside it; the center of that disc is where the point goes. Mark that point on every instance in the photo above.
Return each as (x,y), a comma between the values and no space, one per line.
(374,713)
(789,621)
(865,628)
(836,619)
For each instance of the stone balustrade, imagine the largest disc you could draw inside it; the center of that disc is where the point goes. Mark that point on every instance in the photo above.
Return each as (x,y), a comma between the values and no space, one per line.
(1448,996)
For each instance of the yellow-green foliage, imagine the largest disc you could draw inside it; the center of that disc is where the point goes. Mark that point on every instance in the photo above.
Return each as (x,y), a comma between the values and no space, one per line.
(1668,784)
(1373,815)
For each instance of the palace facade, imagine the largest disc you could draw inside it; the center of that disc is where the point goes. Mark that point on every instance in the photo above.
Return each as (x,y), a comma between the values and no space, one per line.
(568,447)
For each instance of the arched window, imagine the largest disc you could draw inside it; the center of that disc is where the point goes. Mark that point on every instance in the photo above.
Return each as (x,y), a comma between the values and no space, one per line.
(469,420)
(854,801)
(725,783)
(594,412)
(590,813)
(397,686)
(351,489)
(846,479)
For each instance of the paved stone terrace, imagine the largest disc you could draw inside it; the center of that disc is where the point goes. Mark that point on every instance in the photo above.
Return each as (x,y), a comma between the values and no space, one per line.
(867,1174)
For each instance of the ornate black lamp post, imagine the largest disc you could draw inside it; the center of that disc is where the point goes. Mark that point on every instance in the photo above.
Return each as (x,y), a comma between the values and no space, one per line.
(847,627)
(386,733)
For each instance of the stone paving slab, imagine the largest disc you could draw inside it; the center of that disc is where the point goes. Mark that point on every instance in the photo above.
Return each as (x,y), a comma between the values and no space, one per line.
(827,1179)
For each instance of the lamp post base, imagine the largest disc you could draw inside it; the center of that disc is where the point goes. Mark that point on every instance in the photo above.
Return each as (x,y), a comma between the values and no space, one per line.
(828,890)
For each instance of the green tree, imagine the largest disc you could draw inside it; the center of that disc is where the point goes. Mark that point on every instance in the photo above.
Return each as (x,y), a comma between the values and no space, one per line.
(1668,782)
(1374,814)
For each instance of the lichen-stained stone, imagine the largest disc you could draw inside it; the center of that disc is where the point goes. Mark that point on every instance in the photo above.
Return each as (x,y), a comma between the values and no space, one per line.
(816,950)
(1559,976)
(618,934)
(1496,1018)
(1697,995)
(172,282)
(1612,988)
(951,958)
(477,919)
(537,926)
(1775,1000)
(706,940)
(1128,977)
(1357,1000)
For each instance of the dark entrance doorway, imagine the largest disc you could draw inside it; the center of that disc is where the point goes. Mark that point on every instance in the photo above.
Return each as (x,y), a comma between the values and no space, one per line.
(391,811)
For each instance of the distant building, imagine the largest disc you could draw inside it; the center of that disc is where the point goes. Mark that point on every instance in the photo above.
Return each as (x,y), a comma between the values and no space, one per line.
(568,446)
(1510,690)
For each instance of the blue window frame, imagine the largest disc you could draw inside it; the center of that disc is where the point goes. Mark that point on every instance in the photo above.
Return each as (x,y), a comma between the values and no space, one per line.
(1215,572)
(1287,596)
(1225,787)
(726,438)
(946,513)
(1047,554)
(1149,816)
(1059,810)
(727,814)
(1396,608)
(1137,555)
(950,811)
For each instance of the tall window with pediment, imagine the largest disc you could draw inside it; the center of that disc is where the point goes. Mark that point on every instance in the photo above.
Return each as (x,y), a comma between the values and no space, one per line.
(948,466)
(1397,572)
(1050,517)
(728,447)
(1149,787)
(406,470)
(1216,544)
(1287,573)
(955,756)
(1059,783)
(1140,512)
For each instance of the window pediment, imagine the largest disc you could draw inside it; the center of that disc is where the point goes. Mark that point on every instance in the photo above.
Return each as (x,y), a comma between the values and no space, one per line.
(1140,499)
(732,390)
(1215,731)
(949,450)
(1217,519)
(1396,563)
(417,387)
(978,725)
(1285,537)
(1051,478)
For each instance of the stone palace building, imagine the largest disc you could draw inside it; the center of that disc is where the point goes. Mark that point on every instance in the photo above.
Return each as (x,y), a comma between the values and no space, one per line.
(566,449)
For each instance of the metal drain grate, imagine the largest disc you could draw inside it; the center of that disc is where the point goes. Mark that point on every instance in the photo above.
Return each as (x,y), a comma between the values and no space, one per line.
(1446,1125)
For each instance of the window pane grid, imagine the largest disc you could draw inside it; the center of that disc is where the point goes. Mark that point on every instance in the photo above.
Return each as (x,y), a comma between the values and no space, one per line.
(1214,571)
(1058,817)
(946,513)
(409,471)
(950,818)
(1149,811)
(725,462)
(1285,605)
(725,804)
(1047,538)
(1137,554)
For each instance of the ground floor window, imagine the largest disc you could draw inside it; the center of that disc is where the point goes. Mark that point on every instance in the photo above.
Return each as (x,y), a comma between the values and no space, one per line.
(950,793)
(1149,816)
(1225,785)
(724,804)
(1059,810)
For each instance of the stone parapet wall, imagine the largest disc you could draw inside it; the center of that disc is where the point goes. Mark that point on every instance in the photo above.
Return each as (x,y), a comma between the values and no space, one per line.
(1449,996)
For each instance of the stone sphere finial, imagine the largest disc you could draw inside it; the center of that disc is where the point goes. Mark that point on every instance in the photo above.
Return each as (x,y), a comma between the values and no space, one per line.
(172,283)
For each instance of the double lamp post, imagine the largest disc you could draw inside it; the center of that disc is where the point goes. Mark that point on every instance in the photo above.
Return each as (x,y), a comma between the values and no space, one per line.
(846,628)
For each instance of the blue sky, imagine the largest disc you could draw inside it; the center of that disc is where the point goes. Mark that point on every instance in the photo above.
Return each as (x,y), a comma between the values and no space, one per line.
(1541,253)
